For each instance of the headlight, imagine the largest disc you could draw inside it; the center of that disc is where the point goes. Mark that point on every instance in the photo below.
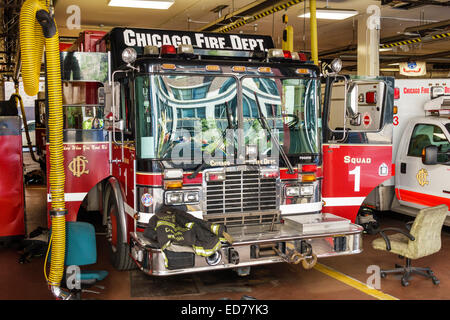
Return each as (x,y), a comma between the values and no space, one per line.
(191,197)
(173,173)
(181,197)
(129,55)
(336,65)
(292,191)
(172,197)
(306,190)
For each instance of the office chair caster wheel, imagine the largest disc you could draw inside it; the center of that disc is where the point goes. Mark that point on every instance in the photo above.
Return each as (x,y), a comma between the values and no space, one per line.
(383,274)
(435,280)
(405,283)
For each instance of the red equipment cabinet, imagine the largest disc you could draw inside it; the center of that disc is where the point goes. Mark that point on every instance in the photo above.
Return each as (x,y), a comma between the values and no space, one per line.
(12,203)
(87,41)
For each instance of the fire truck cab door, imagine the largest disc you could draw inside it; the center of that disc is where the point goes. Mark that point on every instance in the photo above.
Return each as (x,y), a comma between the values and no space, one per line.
(419,185)
(357,136)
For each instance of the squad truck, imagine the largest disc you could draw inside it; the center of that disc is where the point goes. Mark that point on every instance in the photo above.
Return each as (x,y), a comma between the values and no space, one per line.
(421,149)
(228,128)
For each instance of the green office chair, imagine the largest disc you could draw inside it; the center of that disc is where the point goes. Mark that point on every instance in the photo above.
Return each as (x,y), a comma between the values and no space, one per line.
(422,239)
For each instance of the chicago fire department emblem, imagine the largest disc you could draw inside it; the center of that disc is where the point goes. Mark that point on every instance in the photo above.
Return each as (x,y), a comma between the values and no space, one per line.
(146,200)
(78,166)
(421,177)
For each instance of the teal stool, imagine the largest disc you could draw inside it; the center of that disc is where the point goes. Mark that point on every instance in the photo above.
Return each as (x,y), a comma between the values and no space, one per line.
(81,250)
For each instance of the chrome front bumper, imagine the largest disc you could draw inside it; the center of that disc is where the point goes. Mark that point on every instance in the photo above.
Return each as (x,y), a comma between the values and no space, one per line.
(252,244)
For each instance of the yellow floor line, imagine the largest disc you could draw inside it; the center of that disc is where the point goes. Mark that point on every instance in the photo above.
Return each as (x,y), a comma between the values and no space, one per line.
(353,283)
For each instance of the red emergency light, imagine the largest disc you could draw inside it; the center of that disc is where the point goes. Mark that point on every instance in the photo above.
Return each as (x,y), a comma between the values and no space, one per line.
(371,97)
(215,176)
(287,54)
(302,56)
(396,93)
(269,174)
(168,50)
(309,168)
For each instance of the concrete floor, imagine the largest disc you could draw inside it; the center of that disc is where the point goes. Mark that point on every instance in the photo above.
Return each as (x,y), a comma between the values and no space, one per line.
(277,281)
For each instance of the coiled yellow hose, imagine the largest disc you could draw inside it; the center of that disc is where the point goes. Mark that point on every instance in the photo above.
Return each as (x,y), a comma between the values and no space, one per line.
(32,42)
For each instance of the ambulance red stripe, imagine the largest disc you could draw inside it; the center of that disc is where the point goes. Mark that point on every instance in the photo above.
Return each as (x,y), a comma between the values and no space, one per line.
(421,198)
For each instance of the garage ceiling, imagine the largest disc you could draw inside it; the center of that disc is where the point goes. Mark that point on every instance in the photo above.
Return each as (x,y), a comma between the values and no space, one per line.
(336,38)
(197,14)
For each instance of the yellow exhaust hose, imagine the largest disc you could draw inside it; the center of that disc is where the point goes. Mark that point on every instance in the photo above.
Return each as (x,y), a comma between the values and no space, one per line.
(33,36)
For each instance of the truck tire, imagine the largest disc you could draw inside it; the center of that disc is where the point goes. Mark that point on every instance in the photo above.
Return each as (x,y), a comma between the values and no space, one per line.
(118,250)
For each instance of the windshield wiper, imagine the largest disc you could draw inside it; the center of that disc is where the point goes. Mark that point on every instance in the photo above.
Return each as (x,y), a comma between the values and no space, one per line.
(229,119)
(262,119)
(224,134)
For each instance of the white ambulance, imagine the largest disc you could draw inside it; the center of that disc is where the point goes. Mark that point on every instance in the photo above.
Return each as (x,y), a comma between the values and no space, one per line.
(421,149)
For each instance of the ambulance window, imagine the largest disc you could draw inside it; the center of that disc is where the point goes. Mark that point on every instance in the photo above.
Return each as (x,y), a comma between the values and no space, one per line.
(425,135)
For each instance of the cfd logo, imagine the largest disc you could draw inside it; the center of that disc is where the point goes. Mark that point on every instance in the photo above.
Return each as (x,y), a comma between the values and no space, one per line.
(421,177)
(78,166)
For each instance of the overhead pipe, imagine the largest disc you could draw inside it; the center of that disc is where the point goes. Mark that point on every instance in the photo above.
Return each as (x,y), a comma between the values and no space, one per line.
(439,36)
(267,12)
(393,39)
(228,18)
(288,35)
(313,31)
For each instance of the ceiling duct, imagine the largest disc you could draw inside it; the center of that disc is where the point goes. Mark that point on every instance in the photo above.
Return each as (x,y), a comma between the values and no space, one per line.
(247,14)
(411,4)
(431,29)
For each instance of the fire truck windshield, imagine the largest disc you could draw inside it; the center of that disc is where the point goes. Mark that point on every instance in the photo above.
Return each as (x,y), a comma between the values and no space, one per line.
(290,107)
(187,116)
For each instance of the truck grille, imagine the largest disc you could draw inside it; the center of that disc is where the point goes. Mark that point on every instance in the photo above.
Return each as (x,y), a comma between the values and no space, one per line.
(242,191)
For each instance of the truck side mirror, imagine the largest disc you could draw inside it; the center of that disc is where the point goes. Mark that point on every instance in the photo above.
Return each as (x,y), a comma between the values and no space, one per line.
(352,105)
(429,155)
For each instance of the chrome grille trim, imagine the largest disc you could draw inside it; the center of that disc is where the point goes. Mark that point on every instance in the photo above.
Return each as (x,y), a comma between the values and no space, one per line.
(243,191)
(249,218)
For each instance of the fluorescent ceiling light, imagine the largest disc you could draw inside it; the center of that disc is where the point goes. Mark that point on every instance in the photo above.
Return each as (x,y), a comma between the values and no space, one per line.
(145,4)
(331,14)
(385,49)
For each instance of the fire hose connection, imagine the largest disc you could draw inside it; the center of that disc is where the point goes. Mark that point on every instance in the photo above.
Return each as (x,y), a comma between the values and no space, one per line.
(292,256)
(214,259)
(233,256)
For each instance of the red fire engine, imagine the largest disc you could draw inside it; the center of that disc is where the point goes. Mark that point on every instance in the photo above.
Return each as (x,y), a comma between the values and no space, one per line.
(231,129)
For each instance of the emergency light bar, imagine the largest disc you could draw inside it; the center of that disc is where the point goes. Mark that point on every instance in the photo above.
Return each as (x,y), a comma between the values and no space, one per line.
(437,91)
(224,53)
(167,50)
(280,54)
(440,105)
(295,56)
(275,54)
(151,51)
(287,54)
(185,49)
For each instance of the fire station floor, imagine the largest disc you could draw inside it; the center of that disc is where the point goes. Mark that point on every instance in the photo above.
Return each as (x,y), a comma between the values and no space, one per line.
(336,278)
(344,279)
